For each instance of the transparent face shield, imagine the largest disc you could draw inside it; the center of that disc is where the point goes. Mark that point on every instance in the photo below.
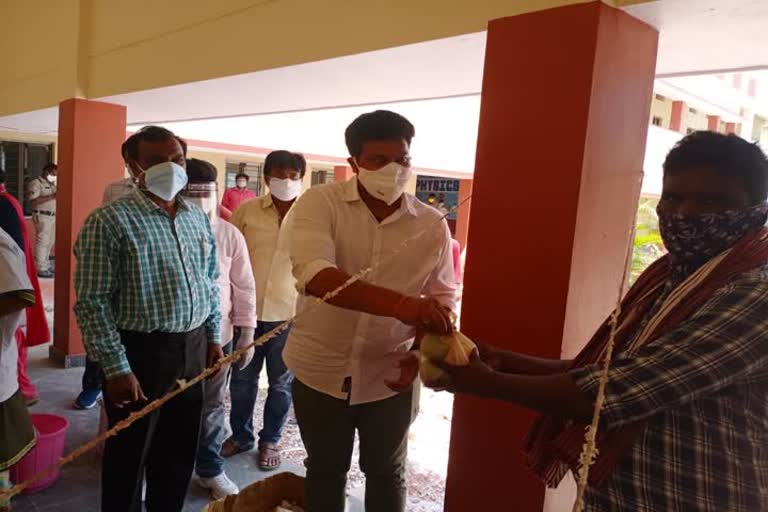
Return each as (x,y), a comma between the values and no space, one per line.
(204,196)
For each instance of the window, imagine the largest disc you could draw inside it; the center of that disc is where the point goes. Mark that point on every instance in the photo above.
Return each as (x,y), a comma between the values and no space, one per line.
(321,176)
(656,121)
(23,162)
(252,169)
(693,111)
(660,97)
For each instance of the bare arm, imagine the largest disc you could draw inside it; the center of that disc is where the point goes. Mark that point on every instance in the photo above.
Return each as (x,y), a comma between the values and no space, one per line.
(359,296)
(379,301)
(555,394)
(515,362)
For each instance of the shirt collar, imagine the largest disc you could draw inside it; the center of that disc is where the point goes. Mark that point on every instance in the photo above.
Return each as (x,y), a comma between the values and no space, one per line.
(267,202)
(149,205)
(352,194)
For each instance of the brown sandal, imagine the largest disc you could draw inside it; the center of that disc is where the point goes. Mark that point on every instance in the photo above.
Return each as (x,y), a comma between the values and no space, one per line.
(269,457)
(230,448)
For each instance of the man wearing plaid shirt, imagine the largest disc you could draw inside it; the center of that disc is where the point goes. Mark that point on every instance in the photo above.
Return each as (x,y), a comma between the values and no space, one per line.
(148,309)
(685,420)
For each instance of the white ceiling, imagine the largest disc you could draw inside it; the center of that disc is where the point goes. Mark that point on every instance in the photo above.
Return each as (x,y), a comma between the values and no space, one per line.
(704,36)
(446,131)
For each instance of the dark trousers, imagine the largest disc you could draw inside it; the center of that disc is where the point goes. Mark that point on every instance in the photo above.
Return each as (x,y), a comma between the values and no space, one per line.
(93,379)
(162,445)
(328,427)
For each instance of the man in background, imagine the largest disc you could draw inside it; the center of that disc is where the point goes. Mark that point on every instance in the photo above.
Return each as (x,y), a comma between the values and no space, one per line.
(237,195)
(41,192)
(264,223)
(238,323)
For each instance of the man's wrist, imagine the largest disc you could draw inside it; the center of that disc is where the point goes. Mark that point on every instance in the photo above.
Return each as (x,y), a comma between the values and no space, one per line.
(490,386)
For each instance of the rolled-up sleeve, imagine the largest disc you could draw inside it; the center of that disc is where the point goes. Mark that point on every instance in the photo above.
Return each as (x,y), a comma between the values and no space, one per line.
(312,245)
(98,265)
(724,341)
(442,283)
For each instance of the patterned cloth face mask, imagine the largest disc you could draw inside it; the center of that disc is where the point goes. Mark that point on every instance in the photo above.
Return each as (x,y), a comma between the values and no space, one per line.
(692,240)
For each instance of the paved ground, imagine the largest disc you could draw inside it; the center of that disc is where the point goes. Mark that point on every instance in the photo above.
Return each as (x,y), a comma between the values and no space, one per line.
(79,486)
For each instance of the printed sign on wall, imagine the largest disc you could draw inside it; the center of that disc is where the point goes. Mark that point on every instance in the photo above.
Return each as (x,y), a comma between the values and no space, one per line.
(440,193)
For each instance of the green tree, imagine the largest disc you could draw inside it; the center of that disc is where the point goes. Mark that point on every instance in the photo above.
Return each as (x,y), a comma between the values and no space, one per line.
(648,246)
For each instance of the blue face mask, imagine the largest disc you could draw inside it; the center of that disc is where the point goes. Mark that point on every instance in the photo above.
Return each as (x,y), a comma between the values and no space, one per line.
(165,180)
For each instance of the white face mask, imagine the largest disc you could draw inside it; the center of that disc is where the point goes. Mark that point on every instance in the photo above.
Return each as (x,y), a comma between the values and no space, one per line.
(285,190)
(165,180)
(52,179)
(387,183)
(241,183)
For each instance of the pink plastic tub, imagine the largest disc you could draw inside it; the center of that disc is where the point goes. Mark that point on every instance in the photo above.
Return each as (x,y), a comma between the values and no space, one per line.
(51,430)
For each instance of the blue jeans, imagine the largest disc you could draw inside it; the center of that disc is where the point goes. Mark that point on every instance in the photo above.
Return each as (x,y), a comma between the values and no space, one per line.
(245,386)
(209,462)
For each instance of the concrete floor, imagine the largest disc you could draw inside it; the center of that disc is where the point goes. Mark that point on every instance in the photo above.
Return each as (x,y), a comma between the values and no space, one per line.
(78,489)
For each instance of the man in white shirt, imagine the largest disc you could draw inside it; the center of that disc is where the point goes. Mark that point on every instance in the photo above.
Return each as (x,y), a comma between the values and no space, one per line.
(345,354)
(263,222)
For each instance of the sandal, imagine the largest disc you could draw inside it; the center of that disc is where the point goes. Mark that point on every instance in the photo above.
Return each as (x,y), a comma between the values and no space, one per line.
(231,448)
(269,457)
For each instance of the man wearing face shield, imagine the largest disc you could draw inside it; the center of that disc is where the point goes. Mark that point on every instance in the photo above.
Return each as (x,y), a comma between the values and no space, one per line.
(264,223)
(238,323)
(148,310)
(350,357)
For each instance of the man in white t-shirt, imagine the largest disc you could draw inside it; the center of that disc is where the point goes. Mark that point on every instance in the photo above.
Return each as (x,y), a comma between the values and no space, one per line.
(345,354)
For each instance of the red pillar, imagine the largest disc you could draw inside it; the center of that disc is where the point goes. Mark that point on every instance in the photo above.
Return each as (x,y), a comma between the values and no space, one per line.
(546,262)
(676,121)
(462,216)
(342,173)
(90,136)
(713,123)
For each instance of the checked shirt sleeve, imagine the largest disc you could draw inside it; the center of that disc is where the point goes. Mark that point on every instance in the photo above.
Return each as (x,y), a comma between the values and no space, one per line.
(98,262)
(723,342)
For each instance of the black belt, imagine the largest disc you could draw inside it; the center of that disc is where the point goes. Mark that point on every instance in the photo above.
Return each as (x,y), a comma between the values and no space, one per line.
(49,214)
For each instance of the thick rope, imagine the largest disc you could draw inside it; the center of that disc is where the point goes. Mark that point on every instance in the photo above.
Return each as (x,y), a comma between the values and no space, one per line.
(590,451)
(235,355)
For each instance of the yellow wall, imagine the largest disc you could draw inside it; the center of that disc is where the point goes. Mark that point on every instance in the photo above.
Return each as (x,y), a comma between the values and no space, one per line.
(39,43)
(661,108)
(56,49)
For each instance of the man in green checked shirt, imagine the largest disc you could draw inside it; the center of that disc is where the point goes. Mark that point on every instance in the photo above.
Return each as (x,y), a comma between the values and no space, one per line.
(148,309)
